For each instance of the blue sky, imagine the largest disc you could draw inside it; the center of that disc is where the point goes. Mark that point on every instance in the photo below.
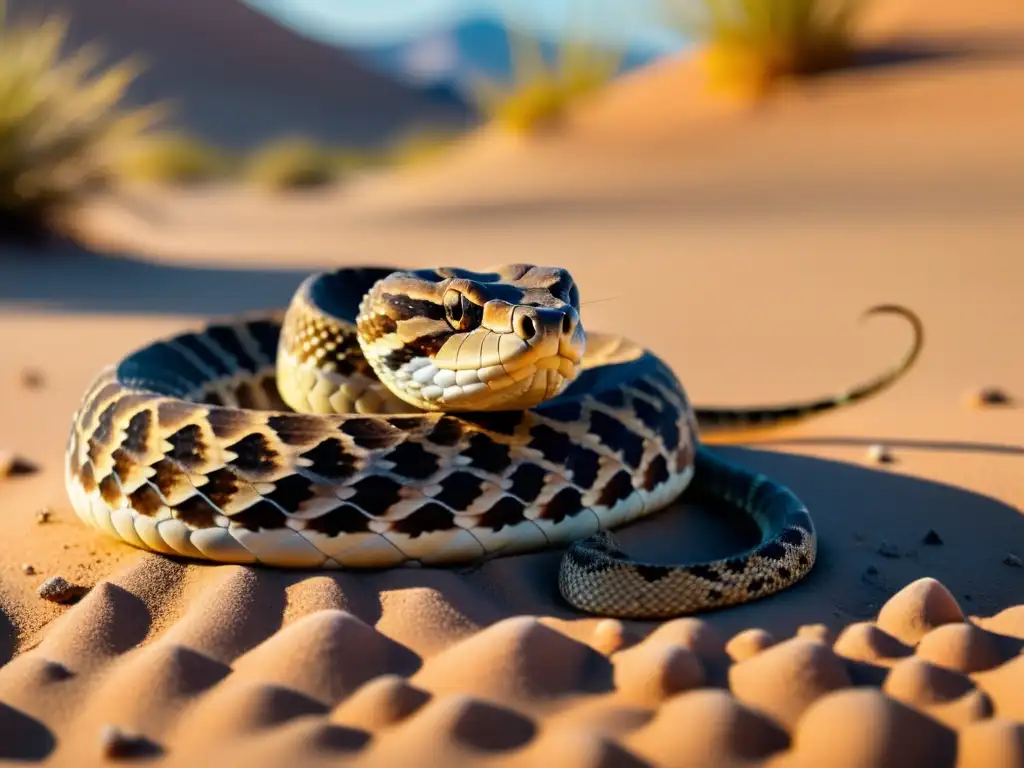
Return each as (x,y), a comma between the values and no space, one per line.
(369,22)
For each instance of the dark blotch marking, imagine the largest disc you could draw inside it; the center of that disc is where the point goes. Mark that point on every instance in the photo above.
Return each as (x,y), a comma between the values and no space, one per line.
(648,414)
(527,481)
(502,422)
(229,424)
(669,429)
(584,464)
(487,455)
(296,429)
(428,518)
(791,536)
(447,431)
(136,437)
(566,503)
(755,586)
(617,489)
(110,490)
(652,573)
(124,464)
(87,477)
(459,490)
(101,436)
(803,560)
(331,460)
(406,423)
(213,399)
(196,512)
(506,511)
(221,486)
(406,308)
(342,519)
(428,345)
(260,516)
(705,572)
(187,446)
(413,461)
(735,565)
(290,492)
(371,433)
(772,551)
(375,494)
(254,454)
(396,358)
(613,432)
(146,501)
(554,445)
(783,572)
(168,477)
(656,474)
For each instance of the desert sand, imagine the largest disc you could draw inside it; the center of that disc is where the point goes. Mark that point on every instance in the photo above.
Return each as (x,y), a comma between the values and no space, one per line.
(739,244)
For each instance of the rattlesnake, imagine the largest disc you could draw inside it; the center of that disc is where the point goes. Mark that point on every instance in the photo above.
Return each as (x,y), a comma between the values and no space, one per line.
(428,417)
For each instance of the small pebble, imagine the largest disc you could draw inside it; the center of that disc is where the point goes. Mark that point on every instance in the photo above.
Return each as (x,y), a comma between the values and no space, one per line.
(32,378)
(57,589)
(116,743)
(44,515)
(933,539)
(1013,561)
(27,569)
(879,454)
(12,465)
(986,397)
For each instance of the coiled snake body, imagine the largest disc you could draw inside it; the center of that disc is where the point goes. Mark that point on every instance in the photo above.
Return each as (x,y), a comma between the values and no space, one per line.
(428,417)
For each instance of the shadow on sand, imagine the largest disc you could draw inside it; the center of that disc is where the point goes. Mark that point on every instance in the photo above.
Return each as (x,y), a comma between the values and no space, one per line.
(70,278)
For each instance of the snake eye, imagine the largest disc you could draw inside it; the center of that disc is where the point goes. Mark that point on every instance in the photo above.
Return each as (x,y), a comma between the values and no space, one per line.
(463,314)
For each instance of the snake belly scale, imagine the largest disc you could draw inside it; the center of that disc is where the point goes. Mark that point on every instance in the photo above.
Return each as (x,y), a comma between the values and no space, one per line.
(429,417)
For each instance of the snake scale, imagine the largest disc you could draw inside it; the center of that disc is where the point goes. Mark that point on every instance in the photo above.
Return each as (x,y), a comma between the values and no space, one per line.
(429,417)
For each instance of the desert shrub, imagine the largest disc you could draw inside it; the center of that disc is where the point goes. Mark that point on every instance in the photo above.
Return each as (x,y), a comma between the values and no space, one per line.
(541,92)
(751,45)
(293,163)
(176,158)
(62,124)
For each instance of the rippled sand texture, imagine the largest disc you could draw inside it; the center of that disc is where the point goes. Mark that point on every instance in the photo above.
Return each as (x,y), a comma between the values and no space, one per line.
(262,668)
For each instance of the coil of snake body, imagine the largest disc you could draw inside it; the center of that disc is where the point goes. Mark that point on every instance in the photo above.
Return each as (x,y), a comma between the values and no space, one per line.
(429,417)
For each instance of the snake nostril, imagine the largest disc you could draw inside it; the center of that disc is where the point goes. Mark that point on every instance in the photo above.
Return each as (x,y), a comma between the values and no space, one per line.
(527,328)
(566,325)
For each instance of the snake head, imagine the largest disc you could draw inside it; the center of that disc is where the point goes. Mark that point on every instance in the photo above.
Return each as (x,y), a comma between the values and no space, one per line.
(455,340)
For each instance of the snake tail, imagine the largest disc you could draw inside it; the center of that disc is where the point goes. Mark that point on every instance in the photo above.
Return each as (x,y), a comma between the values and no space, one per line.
(715,419)
(599,577)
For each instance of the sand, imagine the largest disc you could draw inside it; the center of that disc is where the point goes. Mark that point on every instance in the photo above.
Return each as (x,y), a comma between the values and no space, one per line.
(741,246)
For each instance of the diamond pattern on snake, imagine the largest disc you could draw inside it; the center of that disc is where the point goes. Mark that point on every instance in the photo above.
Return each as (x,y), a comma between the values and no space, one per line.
(393,417)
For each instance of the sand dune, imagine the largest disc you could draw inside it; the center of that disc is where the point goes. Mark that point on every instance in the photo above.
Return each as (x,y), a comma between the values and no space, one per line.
(238,78)
(742,251)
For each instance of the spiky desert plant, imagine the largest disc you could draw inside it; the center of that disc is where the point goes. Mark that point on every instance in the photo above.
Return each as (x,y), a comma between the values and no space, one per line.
(752,45)
(541,92)
(62,125)
(292,163)
(176,158)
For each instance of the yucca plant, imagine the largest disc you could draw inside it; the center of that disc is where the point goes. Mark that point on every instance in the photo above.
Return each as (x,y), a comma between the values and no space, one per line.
(293,163)
(61,124)
(541,92)
(176,158)
(751,45)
